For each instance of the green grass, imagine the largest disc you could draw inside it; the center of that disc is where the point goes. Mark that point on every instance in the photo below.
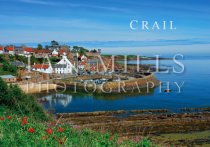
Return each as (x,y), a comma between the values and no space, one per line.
(13,133)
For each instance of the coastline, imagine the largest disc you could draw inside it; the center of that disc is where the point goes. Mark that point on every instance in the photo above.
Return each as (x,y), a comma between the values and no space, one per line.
(157,125)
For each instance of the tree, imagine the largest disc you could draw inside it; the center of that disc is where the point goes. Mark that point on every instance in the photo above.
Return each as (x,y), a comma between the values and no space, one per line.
(75,49)
(21,59)
(39,47)
(85,50)
(54,43)
(13,69)
(33,59)
(10,68)
(82,52)
(94,51)
(2,58)
(11,58)
(3,90)
(47,47)
(6,66)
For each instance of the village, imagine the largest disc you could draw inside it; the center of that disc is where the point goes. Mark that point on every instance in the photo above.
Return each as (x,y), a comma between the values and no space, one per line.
(37,69)
(30,60)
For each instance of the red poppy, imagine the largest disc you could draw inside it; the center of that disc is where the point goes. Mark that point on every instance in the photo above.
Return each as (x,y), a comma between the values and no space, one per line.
(24,121)
(25,117)
(31,130)
(1,118)
(60,130)
(9,117)
(111,138)
(49,131)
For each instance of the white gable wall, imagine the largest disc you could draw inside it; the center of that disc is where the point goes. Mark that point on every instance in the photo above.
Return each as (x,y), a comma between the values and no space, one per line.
(67,70)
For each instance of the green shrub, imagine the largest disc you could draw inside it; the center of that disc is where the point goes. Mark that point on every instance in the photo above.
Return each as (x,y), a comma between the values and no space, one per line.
(14,98)
(10,68)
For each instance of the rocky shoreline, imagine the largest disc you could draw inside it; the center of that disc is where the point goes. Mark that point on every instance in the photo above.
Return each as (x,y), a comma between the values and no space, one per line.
(145,123)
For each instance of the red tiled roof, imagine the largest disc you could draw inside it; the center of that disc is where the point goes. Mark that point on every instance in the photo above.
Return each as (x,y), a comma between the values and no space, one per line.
(61,51)
(41,66)
(1,48)
(43,51)
(28,49)
(10,48)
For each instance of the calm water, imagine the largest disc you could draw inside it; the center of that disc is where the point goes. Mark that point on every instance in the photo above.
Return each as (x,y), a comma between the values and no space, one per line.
(195,92)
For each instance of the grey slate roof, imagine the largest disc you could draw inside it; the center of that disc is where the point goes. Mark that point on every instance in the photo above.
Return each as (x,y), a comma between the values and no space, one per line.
(59,66)
(18,63)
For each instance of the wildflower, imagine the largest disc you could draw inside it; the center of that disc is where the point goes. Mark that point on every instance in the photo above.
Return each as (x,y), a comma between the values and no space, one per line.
(110,138)
(2,118)
(76,127)
(24,121)
(31,130)
(25,117)
(9,117)
(49,131)
(60,130)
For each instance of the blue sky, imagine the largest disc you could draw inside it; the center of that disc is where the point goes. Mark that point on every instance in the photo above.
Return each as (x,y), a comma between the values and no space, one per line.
(23,21)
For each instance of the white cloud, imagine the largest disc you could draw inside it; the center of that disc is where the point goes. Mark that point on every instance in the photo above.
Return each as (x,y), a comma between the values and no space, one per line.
(41,2)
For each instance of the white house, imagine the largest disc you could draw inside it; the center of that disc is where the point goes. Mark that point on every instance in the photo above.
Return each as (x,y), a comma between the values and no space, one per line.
(44,68)
(55,53)
(10,50)
(1,50)
(28,51)
(64,66)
